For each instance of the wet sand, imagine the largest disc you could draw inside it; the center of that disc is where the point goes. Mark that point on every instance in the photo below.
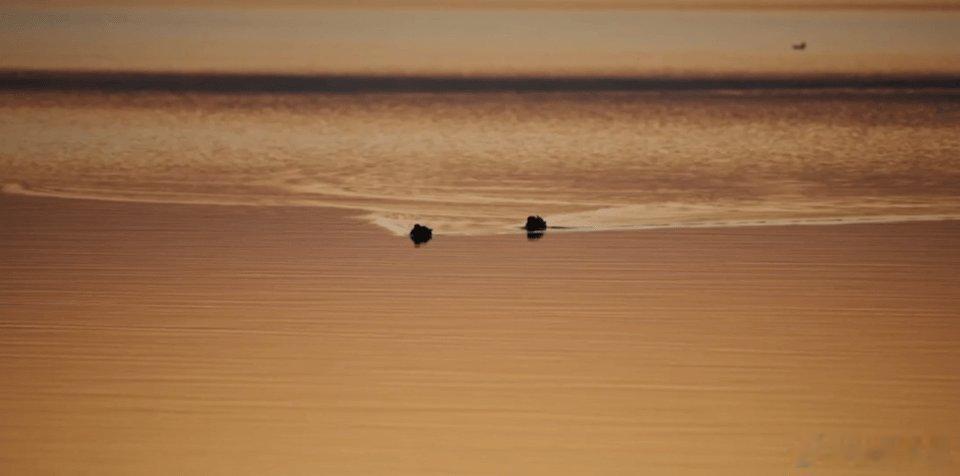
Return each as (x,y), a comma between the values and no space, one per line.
(141,338)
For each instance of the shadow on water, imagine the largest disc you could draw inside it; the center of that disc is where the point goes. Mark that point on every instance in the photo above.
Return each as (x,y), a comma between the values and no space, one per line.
(535,227)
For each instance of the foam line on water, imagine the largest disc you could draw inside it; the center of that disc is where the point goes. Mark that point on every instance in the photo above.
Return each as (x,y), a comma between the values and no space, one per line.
(622,218)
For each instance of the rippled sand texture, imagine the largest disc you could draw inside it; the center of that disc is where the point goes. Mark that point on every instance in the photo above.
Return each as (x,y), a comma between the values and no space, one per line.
(476,164)
(174,339)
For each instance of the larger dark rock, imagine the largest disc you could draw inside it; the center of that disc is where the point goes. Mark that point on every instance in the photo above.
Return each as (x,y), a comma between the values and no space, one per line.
(420,234)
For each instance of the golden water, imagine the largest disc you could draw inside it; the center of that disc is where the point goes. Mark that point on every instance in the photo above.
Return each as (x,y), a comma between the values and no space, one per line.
(476,164)
(143,338)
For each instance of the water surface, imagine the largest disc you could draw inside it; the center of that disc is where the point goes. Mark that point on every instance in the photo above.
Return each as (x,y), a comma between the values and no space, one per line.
(479,163)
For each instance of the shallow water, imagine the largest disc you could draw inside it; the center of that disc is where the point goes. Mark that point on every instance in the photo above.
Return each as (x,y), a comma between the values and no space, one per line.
(480,163)
(146,338)
(147,329)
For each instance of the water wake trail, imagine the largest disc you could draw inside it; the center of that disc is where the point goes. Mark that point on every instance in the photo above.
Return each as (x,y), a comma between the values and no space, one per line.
(460,223)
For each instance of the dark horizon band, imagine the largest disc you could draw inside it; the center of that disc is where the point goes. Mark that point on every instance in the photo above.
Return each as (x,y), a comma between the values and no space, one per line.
(53,80)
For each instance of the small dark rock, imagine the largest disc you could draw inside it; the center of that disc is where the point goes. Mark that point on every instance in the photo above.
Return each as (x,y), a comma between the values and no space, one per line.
(420,234)
(535,223)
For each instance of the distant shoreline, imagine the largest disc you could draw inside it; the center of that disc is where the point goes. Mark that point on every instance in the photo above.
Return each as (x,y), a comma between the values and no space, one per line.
(119,81)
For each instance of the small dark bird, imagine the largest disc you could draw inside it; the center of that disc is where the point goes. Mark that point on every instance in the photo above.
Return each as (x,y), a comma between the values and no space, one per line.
(420,234)
(800,46)
(535,223)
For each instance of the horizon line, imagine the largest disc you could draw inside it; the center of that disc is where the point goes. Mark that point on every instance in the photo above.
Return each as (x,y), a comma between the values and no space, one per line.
(129,81)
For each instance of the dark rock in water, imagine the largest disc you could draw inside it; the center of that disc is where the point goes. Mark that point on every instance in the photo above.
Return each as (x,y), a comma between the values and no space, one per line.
(534,235)
(420,234)
(535,223)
